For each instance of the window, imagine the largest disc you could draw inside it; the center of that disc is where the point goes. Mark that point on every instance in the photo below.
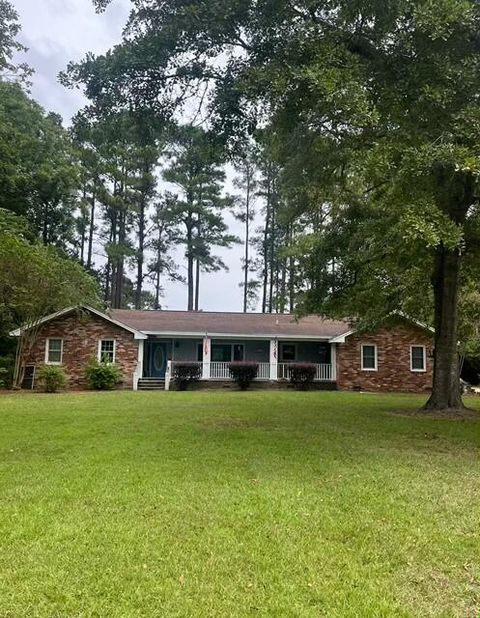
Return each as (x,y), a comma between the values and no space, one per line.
(199,352)
(418,358)
(288,352)
(54,351)
(106,351)
(238,352)
(226,352)
(369,357)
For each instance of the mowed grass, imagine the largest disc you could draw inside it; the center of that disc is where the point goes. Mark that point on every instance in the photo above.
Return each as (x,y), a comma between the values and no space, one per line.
(235,504)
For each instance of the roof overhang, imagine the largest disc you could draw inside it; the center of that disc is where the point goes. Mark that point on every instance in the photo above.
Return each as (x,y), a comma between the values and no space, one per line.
(48,318)
(261,336)
(341,338)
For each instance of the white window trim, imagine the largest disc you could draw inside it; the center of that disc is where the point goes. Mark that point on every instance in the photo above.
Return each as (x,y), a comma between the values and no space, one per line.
(99,349)
(424,359)
(282,343)
(47,351)
(369,345)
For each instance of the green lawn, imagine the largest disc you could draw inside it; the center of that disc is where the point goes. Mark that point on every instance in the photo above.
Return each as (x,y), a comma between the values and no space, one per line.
(235,504)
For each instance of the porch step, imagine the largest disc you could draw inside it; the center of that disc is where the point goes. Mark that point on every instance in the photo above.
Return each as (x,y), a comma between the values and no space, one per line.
(151,384)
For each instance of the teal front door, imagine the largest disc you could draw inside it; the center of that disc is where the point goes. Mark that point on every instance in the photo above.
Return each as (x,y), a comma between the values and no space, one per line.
(157,359)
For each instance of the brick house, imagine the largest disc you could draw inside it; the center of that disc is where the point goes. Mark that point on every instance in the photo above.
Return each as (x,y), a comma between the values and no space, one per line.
(397,357)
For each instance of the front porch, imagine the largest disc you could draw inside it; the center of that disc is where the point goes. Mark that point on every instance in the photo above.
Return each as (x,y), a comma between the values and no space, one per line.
(273,356)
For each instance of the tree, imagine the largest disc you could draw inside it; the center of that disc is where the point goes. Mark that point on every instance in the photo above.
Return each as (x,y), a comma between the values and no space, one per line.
(164,234)
(36,280)
(9,29)
(194,168)
(244,211)
(38,173)
(380,100)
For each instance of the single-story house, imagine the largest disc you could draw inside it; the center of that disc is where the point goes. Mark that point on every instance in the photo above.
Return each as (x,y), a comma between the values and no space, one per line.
(397,357)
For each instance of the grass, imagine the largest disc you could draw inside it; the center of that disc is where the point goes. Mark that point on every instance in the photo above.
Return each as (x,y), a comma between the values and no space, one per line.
(235,504)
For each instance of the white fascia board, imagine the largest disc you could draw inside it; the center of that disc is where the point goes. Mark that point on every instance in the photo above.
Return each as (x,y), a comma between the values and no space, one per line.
(414,321)
(18,331)
(137,334)
(200,335)
(341,338)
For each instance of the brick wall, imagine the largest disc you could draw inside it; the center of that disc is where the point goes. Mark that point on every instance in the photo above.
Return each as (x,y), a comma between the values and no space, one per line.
(81,334)
(393,349)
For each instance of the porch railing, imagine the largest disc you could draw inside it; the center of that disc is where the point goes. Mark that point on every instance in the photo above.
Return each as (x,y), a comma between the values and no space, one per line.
(220,371)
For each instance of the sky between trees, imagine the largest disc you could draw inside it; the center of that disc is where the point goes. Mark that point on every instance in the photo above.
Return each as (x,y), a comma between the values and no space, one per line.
(57,31)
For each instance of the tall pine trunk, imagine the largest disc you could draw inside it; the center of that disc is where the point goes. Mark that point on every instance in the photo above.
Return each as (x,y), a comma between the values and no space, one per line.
(140,254)
(247,245)
(190,261)
(91,229)
(197,284)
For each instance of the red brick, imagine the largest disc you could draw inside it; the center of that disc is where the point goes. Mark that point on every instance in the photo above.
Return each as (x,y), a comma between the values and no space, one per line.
(81,334)
(393,350)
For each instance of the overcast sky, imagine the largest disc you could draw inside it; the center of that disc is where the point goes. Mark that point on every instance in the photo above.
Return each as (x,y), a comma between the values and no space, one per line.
(57,31)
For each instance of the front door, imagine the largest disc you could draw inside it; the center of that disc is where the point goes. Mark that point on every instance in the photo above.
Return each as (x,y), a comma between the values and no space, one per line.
(157,359)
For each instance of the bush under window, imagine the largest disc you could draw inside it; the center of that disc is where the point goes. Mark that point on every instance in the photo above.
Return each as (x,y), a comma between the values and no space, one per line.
(243,372)
(302,375)
(102,376)
(186,373)
(51,378)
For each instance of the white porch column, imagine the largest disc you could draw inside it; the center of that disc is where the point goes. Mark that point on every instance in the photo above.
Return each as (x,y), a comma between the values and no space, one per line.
(333,361)
(207,345)
(139,371)
(168,375)
(273,359)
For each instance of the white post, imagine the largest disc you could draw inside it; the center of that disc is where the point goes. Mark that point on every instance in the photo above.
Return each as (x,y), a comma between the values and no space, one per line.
(168,375)
(273,359)
(207,348)
(333,361)
(139,370)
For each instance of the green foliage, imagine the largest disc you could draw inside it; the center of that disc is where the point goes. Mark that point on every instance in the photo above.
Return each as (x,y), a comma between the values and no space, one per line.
(51,377)
(185,373)
(195,168)
(38,172)
(9,46)
(37,280)
(102,375)
(7,365)
(243,373)
(302,375)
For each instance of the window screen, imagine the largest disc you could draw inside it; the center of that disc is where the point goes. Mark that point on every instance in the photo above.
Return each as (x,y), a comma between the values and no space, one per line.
(107,351)
(369,357)
(54,350)
(418,358)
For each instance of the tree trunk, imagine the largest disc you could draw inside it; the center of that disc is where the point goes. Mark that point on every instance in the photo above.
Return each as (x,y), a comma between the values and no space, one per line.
(247,247)
(140,254)
(266,233)
(190,260)
(91,230)
(197,285)
(446,379)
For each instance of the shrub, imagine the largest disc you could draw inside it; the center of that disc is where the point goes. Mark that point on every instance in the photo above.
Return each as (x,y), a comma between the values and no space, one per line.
(51,377)
(6,371)
(102,376)
(243,372)
(302,375)
(186,373)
